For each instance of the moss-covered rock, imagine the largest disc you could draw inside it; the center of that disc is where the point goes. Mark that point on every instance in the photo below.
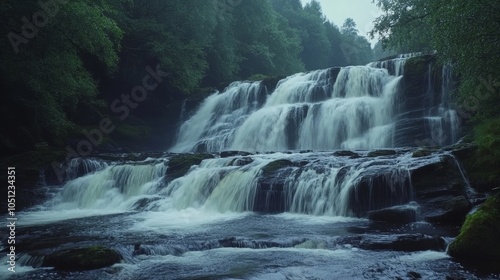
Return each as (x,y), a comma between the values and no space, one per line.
(180,164)
(276,165)
(479,236)
(82,259)
(379,153)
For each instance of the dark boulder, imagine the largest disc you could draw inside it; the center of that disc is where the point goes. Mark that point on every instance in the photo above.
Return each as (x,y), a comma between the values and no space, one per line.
(421,153)
(179,165)
(226,154)
(276,165)
(381,153)
(82,259)
(447,210)
(241,161)
(402,214)
(346,154)
(377,191)
(406,243)
(441,191)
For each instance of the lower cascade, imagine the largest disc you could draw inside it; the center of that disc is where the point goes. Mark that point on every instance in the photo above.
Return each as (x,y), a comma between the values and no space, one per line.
(339,183)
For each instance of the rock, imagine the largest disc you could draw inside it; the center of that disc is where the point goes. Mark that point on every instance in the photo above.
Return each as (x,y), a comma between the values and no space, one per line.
(406,243)
(276,165)
(438,178)
(447,210)
(378,191)
(82,259)
(421,153)
(241,161)
(269,194)
(380,153)
(479,236)
(398,214)
(226,154)
(346,154)
(441,192)
(414,275)
(142,203)
(180,164)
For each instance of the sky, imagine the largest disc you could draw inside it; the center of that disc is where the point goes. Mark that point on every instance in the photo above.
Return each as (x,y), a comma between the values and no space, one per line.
(362,11)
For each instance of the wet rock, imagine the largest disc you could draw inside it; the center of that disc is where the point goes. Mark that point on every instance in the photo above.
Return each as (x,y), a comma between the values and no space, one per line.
(142,203)
(414,275)
(447,210)
(276,165)
(226,154)
(346,154)
(269,195)
(406,243)
(82,259)
(479,236)
(380,153)
(398,214)
(232,242)
(378,191)
(441,191)
(180,164)
(241,161)
(438,178)
(421,153)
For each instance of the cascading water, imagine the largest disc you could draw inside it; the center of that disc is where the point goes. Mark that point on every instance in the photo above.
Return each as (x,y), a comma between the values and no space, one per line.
(355,108)
(320,173)
(359,107)
(315,110)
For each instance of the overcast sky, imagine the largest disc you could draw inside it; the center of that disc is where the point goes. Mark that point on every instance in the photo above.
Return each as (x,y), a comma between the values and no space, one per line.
(362,11)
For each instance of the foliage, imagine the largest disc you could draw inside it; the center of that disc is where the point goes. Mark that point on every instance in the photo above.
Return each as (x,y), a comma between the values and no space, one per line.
(478,238)
(487,135)
(465,33)
(92,52)
(48,77)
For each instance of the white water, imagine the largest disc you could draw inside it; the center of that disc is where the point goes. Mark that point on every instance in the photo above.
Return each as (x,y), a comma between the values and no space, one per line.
(314,183)
(218,116)
(349,108)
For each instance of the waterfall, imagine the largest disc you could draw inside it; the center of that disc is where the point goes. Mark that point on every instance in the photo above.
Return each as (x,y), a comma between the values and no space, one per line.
(351,108)
(308,183)
(356,107)
(327,109)
(443,121)
(115,186)
(213,126)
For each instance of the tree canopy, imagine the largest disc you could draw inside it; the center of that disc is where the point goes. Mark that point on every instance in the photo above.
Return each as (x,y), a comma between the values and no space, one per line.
(65,62)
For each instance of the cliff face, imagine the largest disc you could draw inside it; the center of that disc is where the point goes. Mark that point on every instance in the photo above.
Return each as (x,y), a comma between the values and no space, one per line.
(426,115)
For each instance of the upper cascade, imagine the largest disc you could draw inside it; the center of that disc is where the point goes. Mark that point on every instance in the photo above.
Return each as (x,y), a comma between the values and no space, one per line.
(355,107)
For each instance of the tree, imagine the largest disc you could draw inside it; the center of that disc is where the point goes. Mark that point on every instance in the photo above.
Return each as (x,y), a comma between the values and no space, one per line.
(356,48)
(48,81)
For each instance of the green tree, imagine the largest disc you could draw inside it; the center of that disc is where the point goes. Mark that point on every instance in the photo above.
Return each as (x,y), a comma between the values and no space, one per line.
(47,83)
(356,48)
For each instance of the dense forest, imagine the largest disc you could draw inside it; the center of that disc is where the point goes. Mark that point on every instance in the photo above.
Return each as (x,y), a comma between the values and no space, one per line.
(466,34)
(63,64)
(67,65)
(250,139)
